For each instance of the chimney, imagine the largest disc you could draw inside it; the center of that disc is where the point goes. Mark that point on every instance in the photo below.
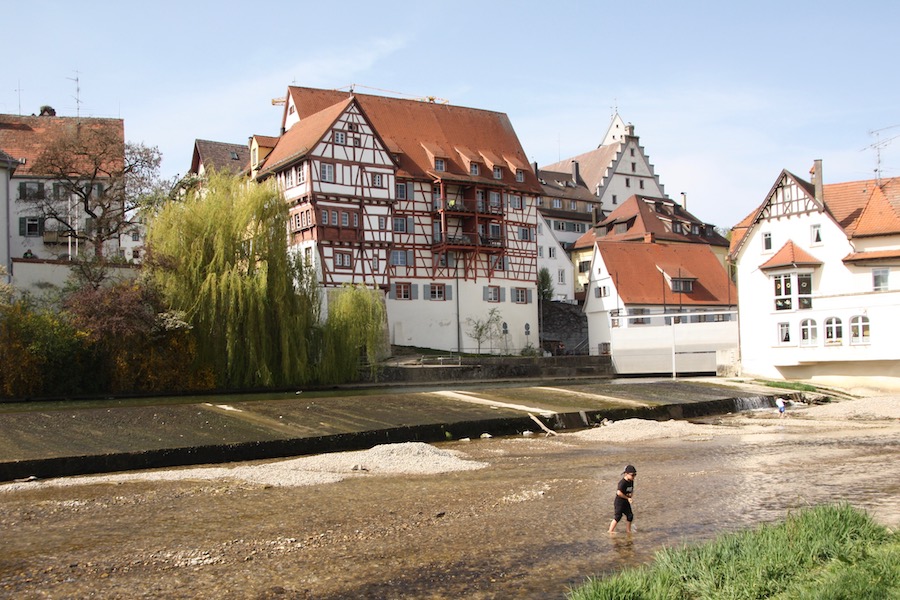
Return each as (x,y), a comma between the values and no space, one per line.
(683,200)
(534,166)
(816,173)
(575,173)
(629,130)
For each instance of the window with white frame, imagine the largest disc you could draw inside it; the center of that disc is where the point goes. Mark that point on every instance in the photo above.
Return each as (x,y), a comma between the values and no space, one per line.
(328,172)
(524,234)
(495,199)
(439,164)
(767,241)
(557,203)
(809,333)
(437,291)
(561,276)
(398,258)
(342,260)
(31,226)
(301,173)
(377,180)
(790,287)
(815,234)
(859,329)
(382,223)
(400,190)
(340,138)
(473,168)
(551,251)
(834,332)
(400,224)
(356,219)
(515,201)
(880,280)
(520,175)
(325,217)
(520,296)
(492,293)
(498,173)
(784,333)
(345,219)
(403,291)
(540,252)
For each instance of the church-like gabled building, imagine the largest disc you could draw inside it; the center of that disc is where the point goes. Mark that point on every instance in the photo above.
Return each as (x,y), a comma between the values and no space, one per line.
(816,269)
(431,203)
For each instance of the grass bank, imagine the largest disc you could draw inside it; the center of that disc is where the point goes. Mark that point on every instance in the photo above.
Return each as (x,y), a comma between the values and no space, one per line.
(823,553)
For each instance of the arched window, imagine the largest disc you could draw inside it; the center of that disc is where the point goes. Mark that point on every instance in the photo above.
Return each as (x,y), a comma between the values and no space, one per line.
(859,329)
(834,332)
(808,332)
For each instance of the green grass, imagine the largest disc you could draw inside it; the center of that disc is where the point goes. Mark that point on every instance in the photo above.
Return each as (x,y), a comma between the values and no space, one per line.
(824,553)
(790,385)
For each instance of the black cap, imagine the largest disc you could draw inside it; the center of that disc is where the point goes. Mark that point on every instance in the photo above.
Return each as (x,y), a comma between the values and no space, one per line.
(630,469)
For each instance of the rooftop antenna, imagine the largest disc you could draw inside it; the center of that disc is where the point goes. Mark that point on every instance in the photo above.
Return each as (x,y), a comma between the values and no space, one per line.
(878,145)
(77,94)
(19,91)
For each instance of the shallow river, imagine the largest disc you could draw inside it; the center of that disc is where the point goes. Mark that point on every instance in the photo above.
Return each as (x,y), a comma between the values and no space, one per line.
(530,525)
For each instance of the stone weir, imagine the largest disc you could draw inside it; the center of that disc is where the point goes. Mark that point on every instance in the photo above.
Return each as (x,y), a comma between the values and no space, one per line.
(267,435)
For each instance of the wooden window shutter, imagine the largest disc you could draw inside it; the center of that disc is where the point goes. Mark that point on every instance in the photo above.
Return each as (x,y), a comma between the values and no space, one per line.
(448,292)
(414,291)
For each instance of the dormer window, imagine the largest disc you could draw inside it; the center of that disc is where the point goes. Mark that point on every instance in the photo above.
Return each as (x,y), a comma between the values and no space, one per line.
(234,155)
(685,286)
(473,168)
(498,173)
(520,175)
(439,164)
(676,227)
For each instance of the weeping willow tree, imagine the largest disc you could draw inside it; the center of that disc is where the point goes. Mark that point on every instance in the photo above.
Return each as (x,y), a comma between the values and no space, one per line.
(354,331)
(221,256)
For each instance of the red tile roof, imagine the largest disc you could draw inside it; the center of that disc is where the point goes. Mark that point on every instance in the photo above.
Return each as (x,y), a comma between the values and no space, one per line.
(635,269)
(303,137)
(861,208)
(642,218)
(409,124)
(26,137)
(791,255)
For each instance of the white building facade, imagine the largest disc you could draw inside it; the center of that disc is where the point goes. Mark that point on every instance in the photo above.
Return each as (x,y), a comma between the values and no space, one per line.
(817,280)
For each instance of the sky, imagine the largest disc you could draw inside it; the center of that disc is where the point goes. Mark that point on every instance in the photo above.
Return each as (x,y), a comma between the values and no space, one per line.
(724,95)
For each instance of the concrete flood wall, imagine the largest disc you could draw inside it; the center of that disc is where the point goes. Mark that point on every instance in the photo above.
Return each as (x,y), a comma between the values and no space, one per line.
(430,433)
(483,368)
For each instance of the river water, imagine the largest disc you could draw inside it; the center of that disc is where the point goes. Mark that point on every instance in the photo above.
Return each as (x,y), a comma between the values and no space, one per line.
(531,524)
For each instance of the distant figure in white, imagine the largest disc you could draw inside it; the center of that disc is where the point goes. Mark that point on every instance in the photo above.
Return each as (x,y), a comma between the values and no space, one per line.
(780,404)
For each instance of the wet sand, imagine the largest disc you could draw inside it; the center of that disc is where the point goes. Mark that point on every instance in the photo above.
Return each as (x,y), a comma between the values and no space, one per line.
(521,517)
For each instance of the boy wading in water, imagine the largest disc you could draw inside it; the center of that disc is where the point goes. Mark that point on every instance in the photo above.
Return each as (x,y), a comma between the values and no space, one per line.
(622,503)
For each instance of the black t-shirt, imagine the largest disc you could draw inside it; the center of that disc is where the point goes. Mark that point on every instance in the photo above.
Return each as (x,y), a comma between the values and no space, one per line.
(626,487)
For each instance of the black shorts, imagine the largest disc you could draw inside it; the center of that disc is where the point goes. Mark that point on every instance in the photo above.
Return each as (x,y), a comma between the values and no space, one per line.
(622,507)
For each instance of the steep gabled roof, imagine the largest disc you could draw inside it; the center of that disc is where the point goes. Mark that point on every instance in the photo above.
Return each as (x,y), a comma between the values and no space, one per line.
(791,256)
(557,184)
(860,208)
(304,136)
(220,156)
(639,271)
(409,124)
(25,138)
(7,161)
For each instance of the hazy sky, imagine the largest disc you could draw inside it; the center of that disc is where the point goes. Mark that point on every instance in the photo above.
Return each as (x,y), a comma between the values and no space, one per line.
(722,94)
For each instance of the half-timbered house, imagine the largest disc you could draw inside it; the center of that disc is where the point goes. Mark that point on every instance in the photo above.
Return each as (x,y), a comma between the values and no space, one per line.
(816,271)
(432,204)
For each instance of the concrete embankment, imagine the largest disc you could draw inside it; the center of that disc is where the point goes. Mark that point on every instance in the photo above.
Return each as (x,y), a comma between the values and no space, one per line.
(63,440)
